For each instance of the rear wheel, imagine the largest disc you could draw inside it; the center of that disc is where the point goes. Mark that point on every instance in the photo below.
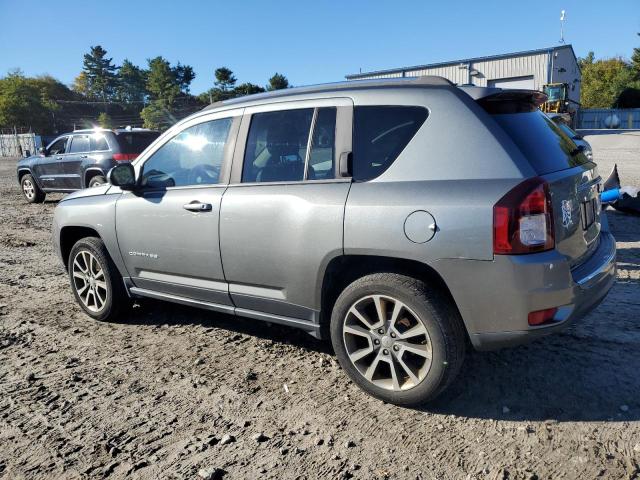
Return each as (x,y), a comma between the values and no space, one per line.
(95,280)
(30,189)
(397,339)
(97,181)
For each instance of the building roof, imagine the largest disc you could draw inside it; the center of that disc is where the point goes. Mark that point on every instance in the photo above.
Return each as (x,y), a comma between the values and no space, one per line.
(355,76)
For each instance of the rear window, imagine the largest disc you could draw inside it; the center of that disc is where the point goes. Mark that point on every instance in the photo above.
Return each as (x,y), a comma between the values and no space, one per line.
(545,145)
(380,134)
(135,142)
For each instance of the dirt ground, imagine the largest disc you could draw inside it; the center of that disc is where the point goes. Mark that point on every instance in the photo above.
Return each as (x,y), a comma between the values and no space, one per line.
(172,390)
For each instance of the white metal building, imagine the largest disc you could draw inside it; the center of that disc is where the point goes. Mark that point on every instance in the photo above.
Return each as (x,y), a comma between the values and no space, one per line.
(531,69)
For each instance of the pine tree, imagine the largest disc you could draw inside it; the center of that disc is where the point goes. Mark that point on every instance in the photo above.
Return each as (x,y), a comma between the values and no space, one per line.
(225,80)
(132,83)
(635,61)
(278,82)
(100,73)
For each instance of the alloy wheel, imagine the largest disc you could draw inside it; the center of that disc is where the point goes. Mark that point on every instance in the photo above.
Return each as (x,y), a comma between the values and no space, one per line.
(387,342)
(89,281)
(29,189)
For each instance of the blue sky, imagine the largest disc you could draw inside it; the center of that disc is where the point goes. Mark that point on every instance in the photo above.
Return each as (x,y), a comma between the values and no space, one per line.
(309,42)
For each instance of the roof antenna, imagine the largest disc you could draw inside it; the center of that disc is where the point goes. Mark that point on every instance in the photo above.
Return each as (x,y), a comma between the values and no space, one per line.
(562,12)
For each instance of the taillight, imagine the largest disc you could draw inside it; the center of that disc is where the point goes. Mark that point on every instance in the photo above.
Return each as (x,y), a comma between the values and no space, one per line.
(523,220)
(541,317)
(124,157)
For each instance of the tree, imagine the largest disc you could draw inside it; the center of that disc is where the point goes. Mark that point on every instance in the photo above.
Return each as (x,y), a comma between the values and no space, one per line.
(603,81)
(224,79)
(21,104)
(104,120)
(247,89)
(184,76)
(100,73)
(161,81)
(582,62)
(132,83)
(278,82)
(635,61)
(81,85)
(156,115)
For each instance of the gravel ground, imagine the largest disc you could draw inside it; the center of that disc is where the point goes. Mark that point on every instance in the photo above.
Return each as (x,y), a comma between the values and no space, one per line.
(171,390)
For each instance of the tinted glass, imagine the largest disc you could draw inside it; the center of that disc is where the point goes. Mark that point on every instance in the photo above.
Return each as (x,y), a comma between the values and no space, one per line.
(193,157)
(58,146)
(322,156)
(135,142)
(277,146)
(545,145)
(98,142)
(79,143)
(380,134)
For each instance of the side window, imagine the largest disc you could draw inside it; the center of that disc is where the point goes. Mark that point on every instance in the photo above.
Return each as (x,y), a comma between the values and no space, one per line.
(193,157)
(79,143)
(322,156)
(277,146)
(380,134)
(98,142)
(57,147)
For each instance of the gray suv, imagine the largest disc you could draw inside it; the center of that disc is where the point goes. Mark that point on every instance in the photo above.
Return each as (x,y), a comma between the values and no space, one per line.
(80,159)
(401,218)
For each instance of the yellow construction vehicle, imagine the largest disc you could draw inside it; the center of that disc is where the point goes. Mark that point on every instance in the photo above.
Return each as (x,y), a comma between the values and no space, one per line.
(558,101)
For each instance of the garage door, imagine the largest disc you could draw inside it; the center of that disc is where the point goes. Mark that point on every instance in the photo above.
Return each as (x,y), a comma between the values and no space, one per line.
(513,82)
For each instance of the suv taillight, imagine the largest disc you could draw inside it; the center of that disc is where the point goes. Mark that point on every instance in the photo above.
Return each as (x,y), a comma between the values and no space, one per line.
(124,157)
(523,220)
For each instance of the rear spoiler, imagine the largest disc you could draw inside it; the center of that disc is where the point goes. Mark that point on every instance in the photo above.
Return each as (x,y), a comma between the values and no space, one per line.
(500,100)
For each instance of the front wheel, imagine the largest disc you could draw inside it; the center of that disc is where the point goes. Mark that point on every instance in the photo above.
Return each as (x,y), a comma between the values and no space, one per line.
(95,280)
(30,189)
(97,181)
(397,339)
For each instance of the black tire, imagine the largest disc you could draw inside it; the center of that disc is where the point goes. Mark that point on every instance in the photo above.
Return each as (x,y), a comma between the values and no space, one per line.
(96,181)
(445,338)
(113,298)
(31,190)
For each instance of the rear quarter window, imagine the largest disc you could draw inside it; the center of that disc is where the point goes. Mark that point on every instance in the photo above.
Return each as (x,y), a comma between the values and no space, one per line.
(135,142)
(541,141)
(380,133)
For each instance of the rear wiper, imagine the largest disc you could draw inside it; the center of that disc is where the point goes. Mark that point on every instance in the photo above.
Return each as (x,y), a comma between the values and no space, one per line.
(577,150)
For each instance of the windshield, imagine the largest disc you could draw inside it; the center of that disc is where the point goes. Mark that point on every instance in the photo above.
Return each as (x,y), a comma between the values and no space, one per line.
(554,93)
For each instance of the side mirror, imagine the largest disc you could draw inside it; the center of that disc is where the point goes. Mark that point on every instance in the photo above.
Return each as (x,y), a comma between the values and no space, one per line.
(123,176)
(42,151)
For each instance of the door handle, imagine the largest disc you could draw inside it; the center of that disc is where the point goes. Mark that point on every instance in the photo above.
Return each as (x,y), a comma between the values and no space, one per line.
(84,156)
(196,206)
(58,158)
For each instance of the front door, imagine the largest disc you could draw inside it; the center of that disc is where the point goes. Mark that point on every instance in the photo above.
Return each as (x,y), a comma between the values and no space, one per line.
(78,149)
(281,220)
(168,229)
(50,168)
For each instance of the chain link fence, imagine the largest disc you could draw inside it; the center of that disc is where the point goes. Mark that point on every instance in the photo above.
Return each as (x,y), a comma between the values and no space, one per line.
(14,144)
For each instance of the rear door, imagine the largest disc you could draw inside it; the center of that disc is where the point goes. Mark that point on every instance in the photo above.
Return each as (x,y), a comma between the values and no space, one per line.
(282,216)
(573,180)
(50,168)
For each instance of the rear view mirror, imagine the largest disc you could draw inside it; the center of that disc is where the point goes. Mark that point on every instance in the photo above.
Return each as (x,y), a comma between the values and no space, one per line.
(123,176)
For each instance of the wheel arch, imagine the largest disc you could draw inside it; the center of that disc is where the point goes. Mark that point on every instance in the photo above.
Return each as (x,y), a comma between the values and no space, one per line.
(91,172)
(345,269)
(69,235)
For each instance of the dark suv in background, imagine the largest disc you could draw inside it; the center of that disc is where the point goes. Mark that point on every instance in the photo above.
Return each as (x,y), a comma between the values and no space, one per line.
(79,159)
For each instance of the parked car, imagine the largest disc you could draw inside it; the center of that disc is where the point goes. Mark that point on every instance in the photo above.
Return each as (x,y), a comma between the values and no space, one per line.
(79,159)
(401,218)
(578,139)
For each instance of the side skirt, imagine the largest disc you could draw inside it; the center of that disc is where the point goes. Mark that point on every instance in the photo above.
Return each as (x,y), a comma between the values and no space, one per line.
(311,328)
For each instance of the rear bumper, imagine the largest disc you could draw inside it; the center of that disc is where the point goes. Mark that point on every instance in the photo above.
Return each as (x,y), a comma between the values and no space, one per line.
(495,297)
